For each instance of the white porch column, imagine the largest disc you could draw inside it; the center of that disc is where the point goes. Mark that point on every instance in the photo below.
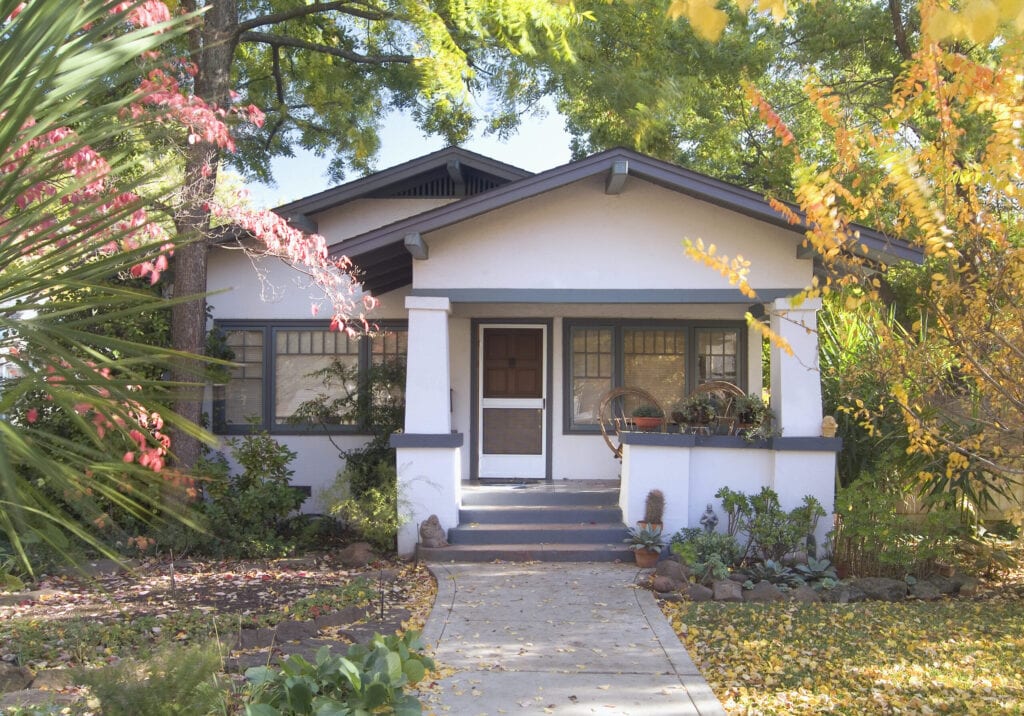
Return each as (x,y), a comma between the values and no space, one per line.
(428,380)
(428,454)
(796,379)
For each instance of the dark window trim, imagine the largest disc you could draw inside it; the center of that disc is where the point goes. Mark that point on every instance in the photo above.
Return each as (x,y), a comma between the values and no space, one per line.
(269,329)
(618,325)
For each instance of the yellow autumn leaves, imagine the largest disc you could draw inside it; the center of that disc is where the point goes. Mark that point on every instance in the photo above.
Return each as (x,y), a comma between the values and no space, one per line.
(979,21)
(954,656)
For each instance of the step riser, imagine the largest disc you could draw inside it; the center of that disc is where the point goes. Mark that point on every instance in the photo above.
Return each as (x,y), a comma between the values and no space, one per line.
(543,515)
(526,554)
(512,497)
(588,535)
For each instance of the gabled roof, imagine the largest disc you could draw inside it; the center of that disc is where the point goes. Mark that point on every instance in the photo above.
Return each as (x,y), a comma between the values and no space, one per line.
(430,175)
(387,264)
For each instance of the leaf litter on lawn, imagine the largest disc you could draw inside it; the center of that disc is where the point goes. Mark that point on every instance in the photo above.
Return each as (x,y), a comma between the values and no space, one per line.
(71,620)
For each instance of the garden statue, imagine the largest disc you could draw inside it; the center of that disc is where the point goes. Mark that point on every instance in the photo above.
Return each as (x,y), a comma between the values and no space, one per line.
(709,520)
(431,533)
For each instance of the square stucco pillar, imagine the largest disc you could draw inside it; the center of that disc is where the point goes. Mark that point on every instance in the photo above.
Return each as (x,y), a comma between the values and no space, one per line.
(428,380)
(428,454)
(796,379)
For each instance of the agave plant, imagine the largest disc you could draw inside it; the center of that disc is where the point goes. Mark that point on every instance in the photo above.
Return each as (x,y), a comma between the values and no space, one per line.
(69,223)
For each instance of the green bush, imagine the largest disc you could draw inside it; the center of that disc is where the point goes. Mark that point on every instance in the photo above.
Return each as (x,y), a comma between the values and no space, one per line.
(372,514)
(246,514)
(708,554)
(176,681)
(369,679)
(771,531)
(873,539)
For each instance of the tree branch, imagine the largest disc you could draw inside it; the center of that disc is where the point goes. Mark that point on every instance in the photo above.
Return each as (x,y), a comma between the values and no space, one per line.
(344,6)
(283,41)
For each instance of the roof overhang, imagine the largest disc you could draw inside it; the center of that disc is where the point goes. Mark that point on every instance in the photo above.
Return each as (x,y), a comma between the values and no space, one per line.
(380,275)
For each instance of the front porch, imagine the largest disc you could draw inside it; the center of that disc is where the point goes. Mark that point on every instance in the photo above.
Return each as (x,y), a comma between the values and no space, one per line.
(443,453)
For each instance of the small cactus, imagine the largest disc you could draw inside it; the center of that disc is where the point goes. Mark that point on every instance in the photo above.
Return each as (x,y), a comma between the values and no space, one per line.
(654,507)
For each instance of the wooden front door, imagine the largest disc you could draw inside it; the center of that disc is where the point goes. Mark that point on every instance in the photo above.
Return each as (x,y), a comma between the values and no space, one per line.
(513,411)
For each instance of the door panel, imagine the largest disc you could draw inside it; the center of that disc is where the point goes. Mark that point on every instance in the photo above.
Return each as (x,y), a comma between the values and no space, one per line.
(513,411)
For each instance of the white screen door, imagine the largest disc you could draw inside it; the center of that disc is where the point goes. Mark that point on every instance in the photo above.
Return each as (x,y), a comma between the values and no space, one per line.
(513,411)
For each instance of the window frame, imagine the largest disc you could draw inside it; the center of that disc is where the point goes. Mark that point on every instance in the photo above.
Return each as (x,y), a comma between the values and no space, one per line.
(618,327)
(269,387)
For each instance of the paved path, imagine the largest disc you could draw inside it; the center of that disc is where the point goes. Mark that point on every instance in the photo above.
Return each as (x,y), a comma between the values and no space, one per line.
(568,638)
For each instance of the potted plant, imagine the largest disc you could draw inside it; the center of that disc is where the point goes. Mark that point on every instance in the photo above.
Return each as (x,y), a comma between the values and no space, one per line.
(648,417)
(750,410)
(695,410)
(646,544)
(654,510)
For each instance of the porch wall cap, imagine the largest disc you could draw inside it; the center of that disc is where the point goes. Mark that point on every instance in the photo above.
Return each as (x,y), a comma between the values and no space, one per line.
(808,304)
(781,444)
(426,440)
(428,303)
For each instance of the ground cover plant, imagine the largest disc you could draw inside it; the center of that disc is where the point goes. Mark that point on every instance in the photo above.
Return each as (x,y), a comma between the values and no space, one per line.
(148,616)
(955,656)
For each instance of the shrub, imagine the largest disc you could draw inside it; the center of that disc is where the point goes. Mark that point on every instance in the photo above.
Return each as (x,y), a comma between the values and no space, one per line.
(873,539)
(247,513)
(369,679)
(708,554)
(772,531)
(176,680)
(372,514)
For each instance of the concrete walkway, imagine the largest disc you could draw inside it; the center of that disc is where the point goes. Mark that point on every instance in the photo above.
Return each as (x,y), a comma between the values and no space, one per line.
(569,638)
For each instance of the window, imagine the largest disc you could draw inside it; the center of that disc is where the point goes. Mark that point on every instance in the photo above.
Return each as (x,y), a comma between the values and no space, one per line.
(276,366)
(668,360)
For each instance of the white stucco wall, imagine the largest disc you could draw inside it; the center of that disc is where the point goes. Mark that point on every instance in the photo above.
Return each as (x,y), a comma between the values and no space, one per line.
(357,217)
(690,476)
(580,237)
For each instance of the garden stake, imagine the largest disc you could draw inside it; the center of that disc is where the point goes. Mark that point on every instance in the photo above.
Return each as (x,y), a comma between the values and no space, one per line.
(380,588)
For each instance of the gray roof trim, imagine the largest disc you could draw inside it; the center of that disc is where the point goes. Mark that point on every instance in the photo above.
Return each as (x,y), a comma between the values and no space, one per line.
(670,176)
(601,295)
(402,172)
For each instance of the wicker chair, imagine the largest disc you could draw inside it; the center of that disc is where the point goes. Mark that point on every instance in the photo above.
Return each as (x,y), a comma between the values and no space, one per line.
(724,394)
(613,415)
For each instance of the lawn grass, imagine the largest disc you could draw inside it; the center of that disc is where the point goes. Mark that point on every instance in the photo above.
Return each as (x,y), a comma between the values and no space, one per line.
(950,657)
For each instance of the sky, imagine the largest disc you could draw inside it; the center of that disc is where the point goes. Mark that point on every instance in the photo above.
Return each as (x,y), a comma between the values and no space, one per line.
(540,143)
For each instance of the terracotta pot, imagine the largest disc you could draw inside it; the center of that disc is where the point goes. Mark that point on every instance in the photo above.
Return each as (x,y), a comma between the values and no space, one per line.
(647,423)
(646,557)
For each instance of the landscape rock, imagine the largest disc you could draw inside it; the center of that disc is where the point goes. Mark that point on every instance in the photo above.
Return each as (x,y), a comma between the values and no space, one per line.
(968,586)
(12,598)
(673,569)
(763,591)
(53,679)
(738,577)
(296,630)
(882,588)
(344,616)
(663,584)
(726,590)
(945,585)
(14,678)
(357,554)
(844,594)
(804,594)
(256,638)
(34,698)
(925,591)
(700,593)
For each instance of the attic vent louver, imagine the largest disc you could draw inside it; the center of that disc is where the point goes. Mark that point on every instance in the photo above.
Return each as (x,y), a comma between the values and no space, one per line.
(445,187)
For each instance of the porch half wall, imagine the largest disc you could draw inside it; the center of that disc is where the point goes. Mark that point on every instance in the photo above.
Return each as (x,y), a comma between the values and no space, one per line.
(690,469)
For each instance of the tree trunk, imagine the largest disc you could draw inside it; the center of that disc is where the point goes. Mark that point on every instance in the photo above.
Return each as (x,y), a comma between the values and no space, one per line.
(212,48)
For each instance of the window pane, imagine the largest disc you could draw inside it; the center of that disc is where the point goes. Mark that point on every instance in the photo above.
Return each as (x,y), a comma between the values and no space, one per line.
(592,366)
(656,363)
(390,347)
(297,359)
(242,397)
(717,355)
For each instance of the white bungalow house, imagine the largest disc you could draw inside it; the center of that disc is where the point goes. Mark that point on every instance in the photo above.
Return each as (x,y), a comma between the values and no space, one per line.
(520,299)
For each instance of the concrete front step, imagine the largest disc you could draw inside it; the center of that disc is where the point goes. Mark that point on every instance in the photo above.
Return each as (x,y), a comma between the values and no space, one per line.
(526,553)
(567,533)
(592,493)
(541,514)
